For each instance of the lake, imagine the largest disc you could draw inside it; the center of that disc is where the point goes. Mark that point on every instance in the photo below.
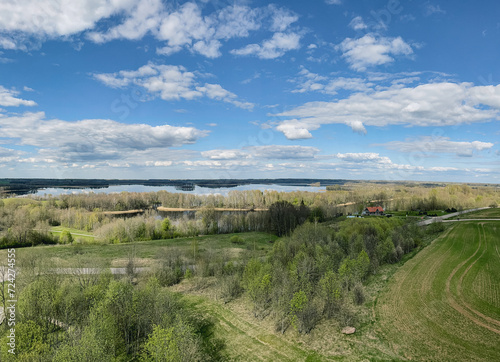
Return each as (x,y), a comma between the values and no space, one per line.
(57,191)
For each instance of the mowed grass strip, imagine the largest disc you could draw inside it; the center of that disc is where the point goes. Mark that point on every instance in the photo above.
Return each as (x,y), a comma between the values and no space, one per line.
(427,312)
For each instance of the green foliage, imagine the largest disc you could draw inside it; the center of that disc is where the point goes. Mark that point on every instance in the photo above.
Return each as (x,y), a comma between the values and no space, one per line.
(166,228)
(359,294)
(435,228)
(257,282)
(31,343)
(235,239)
(331,293)
(285,217)
(65,237)
(297,305)
(177,343)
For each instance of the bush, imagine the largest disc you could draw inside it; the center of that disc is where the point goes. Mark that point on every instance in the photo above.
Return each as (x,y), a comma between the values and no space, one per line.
(359,294)
(235,239)
(435,227)
(66,237)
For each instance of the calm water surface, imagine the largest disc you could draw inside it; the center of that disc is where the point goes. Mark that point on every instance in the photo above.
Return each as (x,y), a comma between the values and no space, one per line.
(197,191)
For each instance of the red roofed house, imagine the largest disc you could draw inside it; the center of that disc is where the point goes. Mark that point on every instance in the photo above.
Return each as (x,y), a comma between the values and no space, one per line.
(376,210)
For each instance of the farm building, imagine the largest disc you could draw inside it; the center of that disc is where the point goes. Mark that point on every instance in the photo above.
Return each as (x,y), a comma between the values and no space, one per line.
(376,210)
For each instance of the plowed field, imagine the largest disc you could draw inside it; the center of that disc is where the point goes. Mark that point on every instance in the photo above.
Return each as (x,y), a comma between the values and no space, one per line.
(444,304)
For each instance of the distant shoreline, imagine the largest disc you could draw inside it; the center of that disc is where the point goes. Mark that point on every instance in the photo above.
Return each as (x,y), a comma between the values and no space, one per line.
(24,186)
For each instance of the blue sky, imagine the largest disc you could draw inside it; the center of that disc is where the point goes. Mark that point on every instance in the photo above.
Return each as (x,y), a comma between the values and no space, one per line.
(385,90)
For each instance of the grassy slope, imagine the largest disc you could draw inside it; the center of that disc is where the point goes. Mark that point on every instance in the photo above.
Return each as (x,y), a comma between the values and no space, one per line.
(481,214)
(431,311)
(105,254)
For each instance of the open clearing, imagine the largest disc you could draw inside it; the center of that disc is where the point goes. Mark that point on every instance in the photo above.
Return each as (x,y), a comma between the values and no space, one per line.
(444,304)
(116,255)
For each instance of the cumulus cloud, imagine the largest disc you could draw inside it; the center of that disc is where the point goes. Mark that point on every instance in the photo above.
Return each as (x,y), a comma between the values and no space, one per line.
(294,130)
(92,139)
(311,82)
(8,98)
(8,155)
(442,169)
(284,152)
(24,20)
(438,145)
(372,50)
(282,19)
(372,163)
(272,48)
(26,23)
(225,154)
(141,17)
(363,157)
(170,82)
(434,104)
(264,152)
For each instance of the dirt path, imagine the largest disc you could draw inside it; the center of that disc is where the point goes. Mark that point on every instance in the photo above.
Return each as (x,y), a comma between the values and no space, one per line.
(441,218)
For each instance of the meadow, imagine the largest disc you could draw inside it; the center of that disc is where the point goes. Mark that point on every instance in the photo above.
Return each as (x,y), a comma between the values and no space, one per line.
(444,304)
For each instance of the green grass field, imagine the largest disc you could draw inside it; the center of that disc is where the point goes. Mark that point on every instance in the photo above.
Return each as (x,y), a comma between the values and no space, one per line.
(116,255)
(481,214)
(78,235)
(444,304)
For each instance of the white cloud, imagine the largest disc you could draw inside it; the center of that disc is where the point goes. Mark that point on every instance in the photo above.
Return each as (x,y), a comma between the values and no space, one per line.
(438,145)
(487,95)
(363,157)
(272,48)
(24,24)
(159,163)
(186,27)
(8,98)
(39,19)
(357,23)
(442,169)
(434,104)
(170,82)
(264,152)
(358,127)
(282,19)
(371,50)
(92,139)
(56,18)
(225,154)
(312,82)
(141,17)
(283,152)
(333,2)
(294,130)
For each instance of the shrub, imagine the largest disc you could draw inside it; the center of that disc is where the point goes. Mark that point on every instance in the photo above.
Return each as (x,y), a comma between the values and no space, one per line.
(359,294)
(235,239)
